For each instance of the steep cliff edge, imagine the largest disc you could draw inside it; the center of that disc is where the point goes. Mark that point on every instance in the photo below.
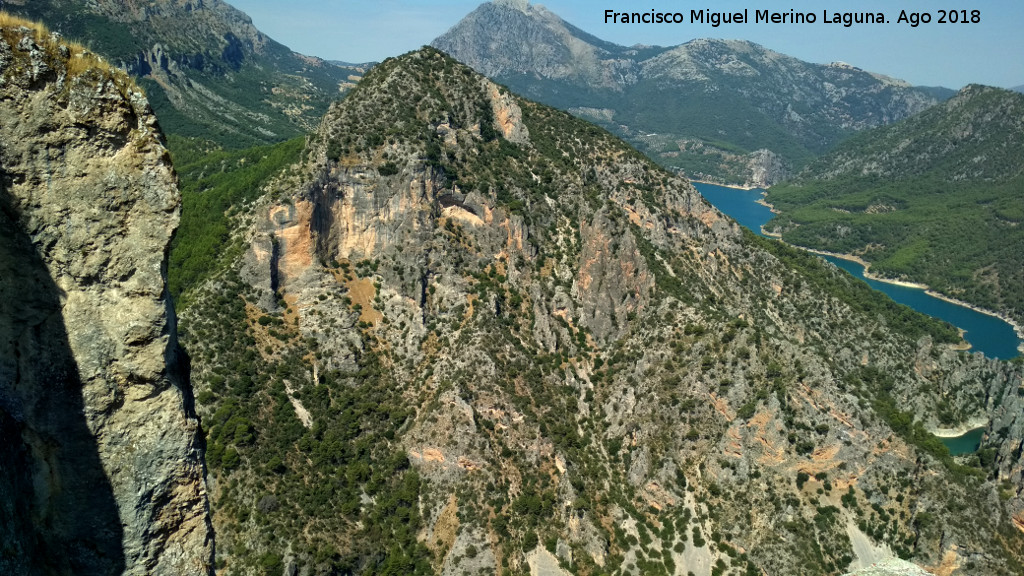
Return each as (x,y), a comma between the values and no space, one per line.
(101,461)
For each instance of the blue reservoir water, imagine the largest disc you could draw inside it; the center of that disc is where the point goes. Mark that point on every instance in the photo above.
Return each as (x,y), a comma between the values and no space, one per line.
(987,334)
(966,444)
(740,204)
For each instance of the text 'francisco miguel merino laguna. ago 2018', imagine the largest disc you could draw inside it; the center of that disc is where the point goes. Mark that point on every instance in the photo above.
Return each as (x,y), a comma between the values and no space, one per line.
(846,19)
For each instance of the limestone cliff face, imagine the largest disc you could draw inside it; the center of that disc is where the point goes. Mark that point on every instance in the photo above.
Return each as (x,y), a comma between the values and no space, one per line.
(1006,436)
(100,453)
(470,333)
(766,168)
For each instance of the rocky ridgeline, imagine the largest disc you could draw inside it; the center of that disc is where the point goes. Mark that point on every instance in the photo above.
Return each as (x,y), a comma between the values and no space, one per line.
(101,454)
(468,332)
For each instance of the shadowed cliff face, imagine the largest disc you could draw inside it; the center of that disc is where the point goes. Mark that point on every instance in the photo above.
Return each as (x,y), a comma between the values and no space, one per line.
(101,468)
(57,508)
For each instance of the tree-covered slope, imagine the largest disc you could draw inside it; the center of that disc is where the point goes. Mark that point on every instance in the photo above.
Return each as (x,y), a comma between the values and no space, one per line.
(710,108)
(937,198)
(215,184)
(468,333)
(208,72)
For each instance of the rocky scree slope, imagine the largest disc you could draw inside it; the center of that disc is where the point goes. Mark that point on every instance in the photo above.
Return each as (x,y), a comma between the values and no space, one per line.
(208,71)
(102,469)
(933,199)
(724,110)
(468,333)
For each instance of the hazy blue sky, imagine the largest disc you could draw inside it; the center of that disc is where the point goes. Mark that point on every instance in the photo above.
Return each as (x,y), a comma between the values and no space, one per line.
(951,55)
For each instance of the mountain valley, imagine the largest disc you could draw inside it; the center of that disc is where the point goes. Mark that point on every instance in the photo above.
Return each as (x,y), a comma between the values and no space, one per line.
(435,327)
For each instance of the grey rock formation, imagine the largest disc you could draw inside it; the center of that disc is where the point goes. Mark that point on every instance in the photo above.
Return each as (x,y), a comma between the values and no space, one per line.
(766,168)
(1005,436)
(891,568)
(101,460)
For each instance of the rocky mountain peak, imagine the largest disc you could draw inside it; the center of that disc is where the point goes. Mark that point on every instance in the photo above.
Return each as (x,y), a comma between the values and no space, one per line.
(758,98)
(499,39)
(521,5)
(493,334)
(973,90)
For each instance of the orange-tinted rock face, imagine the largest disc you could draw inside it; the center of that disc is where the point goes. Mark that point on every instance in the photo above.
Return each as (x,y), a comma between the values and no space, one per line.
(294,238)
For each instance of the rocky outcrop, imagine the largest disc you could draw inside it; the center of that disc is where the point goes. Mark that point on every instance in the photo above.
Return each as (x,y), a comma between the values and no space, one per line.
(101,453)
(766,168)
(891,568)
(1005,440)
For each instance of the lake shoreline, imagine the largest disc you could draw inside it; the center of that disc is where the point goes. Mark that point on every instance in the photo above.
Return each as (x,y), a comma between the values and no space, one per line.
(765,203)
(735,186)
(1017,328)
(962,430)
(867,269)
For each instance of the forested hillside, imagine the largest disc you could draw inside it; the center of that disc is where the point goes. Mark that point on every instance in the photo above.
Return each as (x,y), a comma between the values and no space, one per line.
(938,199)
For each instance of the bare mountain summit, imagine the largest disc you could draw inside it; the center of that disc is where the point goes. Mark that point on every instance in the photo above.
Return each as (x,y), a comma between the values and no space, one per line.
(711,108)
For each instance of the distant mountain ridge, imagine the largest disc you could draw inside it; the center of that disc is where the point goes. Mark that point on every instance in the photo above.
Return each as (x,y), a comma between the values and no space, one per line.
(707,107)
(208,71)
